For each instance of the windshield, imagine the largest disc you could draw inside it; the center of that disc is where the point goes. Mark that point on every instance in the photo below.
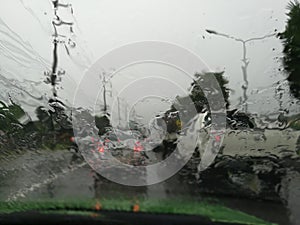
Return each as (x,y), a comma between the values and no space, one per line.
(165,107)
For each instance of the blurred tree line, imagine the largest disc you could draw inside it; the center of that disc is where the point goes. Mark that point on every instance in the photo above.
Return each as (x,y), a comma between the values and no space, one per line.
(52,129)
(196,102)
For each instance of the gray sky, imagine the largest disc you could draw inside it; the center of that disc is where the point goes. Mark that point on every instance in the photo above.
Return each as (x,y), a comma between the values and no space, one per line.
(103,25)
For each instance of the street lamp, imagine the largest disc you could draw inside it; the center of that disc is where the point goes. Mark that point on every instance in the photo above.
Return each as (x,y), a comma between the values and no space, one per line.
(244,60)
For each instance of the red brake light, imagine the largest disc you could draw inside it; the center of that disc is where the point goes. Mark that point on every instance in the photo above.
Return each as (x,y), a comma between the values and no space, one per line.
(138,147)
(101,149)
(218,138)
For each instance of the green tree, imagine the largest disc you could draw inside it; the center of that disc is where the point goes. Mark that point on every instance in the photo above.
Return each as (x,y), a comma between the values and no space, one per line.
(197,94)
(102,123)
(291,42)
(175,121)
(10,124)
(9,117)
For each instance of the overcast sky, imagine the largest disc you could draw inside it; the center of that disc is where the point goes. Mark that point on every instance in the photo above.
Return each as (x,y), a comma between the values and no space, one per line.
(103,25)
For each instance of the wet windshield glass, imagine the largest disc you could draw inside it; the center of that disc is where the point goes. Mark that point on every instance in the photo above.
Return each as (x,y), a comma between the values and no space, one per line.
(163,107)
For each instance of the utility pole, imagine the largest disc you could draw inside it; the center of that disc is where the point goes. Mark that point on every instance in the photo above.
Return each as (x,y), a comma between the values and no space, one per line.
(104,98)
(119,114)
(54,75)
(105,80)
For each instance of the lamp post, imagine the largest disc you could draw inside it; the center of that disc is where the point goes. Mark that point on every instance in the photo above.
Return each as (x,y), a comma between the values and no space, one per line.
(245,60)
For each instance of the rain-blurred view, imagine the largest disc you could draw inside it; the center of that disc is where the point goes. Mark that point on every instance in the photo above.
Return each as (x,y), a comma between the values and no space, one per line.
(66,124)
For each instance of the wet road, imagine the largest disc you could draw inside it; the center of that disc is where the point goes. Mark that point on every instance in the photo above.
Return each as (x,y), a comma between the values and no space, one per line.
(45,174)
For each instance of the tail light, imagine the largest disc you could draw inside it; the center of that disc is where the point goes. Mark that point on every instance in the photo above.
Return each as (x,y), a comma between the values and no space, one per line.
(138,147)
